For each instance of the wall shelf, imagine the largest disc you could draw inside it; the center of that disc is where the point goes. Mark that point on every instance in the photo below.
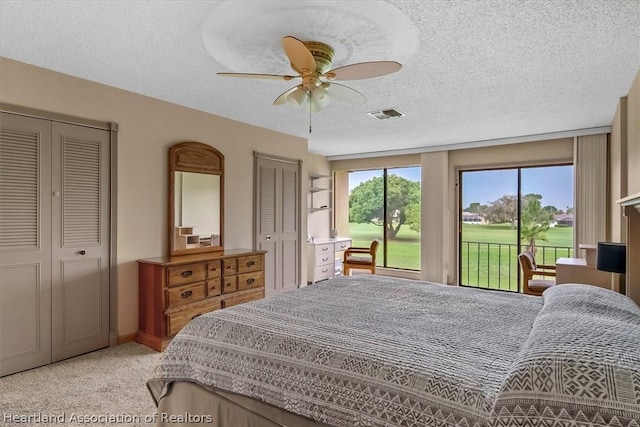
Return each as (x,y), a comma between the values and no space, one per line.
(315,188)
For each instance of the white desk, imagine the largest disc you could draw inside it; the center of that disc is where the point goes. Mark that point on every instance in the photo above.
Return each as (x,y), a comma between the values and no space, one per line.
(576,270)
(321,257)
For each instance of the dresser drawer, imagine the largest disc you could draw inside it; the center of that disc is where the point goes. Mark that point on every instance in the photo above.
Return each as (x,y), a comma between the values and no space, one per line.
(178,319)
(324,259)
(342,246)
(235,300)
(325,248)
(230,265)
(230,284)
(214,287)
(214,268)
(250,280)
(181,295)
(250,263)
(324,272)
(186,274)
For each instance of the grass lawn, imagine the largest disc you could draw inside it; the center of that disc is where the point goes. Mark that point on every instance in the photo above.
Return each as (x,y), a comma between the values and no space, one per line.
(403,252)
(493,264)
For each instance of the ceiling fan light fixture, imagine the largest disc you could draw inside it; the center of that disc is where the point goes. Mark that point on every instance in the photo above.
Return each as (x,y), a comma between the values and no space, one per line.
(319,99)
(298,97)
(312,61)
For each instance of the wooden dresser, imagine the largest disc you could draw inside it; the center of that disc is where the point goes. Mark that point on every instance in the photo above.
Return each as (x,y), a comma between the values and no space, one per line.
(175,289)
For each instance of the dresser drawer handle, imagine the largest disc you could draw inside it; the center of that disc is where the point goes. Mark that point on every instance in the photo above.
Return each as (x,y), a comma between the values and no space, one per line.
(186,294)
(325,249)
(251,264)
(186,273)
(325,259)
(228,284)
(325,270)
(250,281)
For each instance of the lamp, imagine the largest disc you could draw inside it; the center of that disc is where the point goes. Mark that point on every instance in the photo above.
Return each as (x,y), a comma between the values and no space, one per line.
(612,257)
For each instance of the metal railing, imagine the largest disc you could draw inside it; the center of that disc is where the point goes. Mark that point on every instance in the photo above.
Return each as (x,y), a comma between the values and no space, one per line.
(495,265)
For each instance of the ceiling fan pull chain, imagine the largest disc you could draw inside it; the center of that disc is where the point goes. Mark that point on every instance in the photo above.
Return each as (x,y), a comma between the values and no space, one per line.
(309,92)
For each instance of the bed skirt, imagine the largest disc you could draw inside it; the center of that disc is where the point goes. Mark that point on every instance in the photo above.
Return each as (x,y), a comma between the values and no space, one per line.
(189,404)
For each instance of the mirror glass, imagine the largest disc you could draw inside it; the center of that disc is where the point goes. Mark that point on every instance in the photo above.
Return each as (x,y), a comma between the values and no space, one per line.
(197,210)
(196,199)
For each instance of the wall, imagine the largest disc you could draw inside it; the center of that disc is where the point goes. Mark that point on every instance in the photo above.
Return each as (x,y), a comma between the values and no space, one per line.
(633,137)
(618,171)
(147,128)
(624,180)
(437,218)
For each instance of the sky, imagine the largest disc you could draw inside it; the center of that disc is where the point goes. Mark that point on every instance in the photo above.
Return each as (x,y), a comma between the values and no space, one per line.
(554,183)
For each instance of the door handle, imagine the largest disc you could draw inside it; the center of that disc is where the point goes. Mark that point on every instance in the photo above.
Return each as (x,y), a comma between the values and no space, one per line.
(268,237)
(82,252)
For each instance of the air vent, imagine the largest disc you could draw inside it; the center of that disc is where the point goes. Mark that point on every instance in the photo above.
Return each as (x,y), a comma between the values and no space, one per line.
(385,114)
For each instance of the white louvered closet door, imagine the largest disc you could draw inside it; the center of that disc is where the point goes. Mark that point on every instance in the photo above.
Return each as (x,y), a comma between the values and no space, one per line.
(54,241)
(278,222)
(25,243)
(80,240)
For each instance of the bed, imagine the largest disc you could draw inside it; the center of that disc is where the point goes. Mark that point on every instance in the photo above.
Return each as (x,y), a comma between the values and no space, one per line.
(378,351)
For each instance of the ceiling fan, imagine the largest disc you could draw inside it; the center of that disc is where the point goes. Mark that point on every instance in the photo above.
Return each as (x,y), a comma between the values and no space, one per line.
(312,62)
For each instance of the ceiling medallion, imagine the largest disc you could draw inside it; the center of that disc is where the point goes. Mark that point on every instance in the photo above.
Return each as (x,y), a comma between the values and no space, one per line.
(246,36)
(362,36)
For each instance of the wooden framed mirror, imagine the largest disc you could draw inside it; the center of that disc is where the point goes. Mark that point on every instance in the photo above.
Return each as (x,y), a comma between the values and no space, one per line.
(196,199)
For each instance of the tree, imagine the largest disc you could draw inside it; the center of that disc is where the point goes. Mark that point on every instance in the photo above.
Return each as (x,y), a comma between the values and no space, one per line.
(403,203)
(473,208)
(534,221)
(503,210)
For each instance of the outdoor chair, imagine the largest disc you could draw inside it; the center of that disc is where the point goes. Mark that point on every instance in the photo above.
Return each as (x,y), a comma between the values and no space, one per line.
(360,258)
(532,285)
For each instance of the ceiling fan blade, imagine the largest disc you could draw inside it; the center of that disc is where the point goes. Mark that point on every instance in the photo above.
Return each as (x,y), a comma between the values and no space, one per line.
(363,70)
(258,76)
(299,56)
(346,94)
(283,98)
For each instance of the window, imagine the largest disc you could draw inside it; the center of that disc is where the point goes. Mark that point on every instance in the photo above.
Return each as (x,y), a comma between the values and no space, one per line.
(384,204)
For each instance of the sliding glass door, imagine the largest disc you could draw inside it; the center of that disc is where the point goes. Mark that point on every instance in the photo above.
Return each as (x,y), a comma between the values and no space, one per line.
(504,211)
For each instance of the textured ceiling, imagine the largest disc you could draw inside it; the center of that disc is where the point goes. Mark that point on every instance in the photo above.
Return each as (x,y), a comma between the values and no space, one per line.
(472,70)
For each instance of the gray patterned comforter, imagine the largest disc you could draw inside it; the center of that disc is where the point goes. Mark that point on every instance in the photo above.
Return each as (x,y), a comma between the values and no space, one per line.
(375,351)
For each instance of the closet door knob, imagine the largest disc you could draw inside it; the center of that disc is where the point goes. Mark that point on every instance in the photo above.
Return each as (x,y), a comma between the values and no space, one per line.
(82,252)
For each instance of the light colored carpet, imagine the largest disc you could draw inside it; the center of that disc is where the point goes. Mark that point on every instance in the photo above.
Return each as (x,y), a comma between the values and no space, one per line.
(106,387)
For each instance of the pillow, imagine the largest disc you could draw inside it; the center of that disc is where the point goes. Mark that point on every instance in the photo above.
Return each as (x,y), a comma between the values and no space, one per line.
(580,365)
